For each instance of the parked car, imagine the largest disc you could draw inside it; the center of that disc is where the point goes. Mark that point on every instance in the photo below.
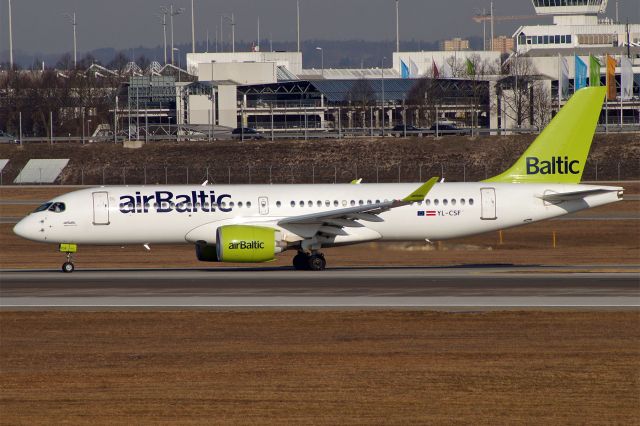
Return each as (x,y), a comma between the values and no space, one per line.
(398,131)
(246,133)
(448,128)
(8,138)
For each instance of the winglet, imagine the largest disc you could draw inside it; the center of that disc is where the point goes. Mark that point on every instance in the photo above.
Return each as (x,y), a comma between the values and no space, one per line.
(356,181)
(420,193)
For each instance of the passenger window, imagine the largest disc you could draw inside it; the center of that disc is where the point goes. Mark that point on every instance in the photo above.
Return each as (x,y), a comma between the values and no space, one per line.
(470,201)
(278,204)
(293,204)
(462,201)
(353,203)
(336,203)
(453,202)
(301,203)
(377,201)
(327,203)
(319,203)
(344,203)
(445,202)
(427,202)
(419,203)
(310,203)
(361,202)
(436,202)
(239,203)
(231,204)
(43,207)
(369,202)
(248,204)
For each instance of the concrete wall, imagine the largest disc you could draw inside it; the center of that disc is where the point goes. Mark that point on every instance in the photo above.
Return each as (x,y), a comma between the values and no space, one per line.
(239,72)
(199,109)
(228,105)
(291,60)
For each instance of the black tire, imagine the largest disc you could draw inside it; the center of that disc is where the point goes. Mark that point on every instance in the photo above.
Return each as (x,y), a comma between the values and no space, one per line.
(68,267)
(316,262)
(301,261)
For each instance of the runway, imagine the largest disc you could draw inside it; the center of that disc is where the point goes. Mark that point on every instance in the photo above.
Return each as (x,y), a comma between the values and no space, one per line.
(483,287)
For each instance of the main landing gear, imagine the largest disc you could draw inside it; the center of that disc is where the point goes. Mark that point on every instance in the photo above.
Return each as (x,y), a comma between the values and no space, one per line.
(309,262)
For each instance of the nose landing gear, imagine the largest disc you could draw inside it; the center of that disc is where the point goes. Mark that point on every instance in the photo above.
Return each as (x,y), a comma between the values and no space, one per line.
(309,262)
(69,249)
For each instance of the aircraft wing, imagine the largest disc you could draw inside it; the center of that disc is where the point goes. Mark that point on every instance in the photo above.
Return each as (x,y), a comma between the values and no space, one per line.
(332,221)
(574,195)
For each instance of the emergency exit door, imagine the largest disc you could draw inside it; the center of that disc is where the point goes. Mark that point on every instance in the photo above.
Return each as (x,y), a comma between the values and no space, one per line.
(488,203)
(100,208)
(263,205)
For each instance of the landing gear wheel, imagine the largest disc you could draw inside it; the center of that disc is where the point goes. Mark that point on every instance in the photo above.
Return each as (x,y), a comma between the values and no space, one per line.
(68,267)
(316,262)
(301,261)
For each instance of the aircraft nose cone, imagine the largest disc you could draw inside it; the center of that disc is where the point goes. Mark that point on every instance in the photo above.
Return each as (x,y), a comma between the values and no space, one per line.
(25,229)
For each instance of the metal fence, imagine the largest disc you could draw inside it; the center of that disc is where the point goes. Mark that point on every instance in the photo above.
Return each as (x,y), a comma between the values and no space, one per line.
(306,173)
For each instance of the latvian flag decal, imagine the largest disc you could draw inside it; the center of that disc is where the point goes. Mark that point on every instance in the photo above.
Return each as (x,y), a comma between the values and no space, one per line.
(426,213)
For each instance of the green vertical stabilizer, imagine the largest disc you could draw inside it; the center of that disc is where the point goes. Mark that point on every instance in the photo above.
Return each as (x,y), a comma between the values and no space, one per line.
(559,153)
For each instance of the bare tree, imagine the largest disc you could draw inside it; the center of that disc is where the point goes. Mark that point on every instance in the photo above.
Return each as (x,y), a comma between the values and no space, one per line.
(361,97)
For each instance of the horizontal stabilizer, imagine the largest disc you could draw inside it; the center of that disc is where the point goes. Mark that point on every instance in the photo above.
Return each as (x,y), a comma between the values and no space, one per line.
(575,195)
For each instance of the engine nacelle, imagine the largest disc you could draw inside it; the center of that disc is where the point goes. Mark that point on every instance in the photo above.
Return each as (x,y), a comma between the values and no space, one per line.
(246,244)
(206,253)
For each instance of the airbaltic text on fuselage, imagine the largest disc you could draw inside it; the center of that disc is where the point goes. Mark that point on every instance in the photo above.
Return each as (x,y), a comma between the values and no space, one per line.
(166,202)
(557,165)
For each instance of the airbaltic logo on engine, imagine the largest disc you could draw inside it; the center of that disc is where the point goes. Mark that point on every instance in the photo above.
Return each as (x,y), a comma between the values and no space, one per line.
(246,245)
(557,165)
(166,202)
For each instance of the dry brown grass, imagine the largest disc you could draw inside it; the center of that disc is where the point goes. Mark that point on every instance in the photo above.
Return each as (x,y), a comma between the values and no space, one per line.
(320,367)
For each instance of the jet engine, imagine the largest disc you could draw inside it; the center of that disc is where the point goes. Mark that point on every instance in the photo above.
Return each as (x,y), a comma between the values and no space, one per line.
(247,244)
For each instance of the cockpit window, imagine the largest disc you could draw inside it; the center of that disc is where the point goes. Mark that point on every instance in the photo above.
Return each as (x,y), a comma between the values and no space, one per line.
(43,207)
(57,207)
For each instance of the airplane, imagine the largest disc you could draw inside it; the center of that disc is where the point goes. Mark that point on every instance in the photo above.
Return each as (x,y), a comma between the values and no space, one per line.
(254,223)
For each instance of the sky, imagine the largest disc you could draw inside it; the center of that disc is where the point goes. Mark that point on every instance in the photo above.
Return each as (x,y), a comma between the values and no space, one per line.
(40,26)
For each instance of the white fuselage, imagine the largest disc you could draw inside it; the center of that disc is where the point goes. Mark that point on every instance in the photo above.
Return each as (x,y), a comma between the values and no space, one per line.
(147,215)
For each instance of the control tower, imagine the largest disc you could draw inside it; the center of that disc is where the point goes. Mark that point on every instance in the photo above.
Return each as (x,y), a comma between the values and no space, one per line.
(569,7)
(579,27)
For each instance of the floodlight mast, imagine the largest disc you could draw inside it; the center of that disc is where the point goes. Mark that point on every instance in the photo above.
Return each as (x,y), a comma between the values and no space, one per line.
(231,19)
(10,37)
(72,19)
(163,21)
(298,22)
(397,26)
(171,11)
(193,30)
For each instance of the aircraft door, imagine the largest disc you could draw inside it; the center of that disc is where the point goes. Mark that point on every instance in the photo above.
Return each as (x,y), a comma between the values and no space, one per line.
(488,203)
(263,205)
(100,208)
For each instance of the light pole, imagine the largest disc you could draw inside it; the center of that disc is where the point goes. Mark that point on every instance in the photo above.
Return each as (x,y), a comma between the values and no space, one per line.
(72,19)
(321,58)
(232,21)
(193,30)
(163,21)
(382,82)
(213,105)
(172,12)
(175,49)
(10,37)
(397,26)
(298,22)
